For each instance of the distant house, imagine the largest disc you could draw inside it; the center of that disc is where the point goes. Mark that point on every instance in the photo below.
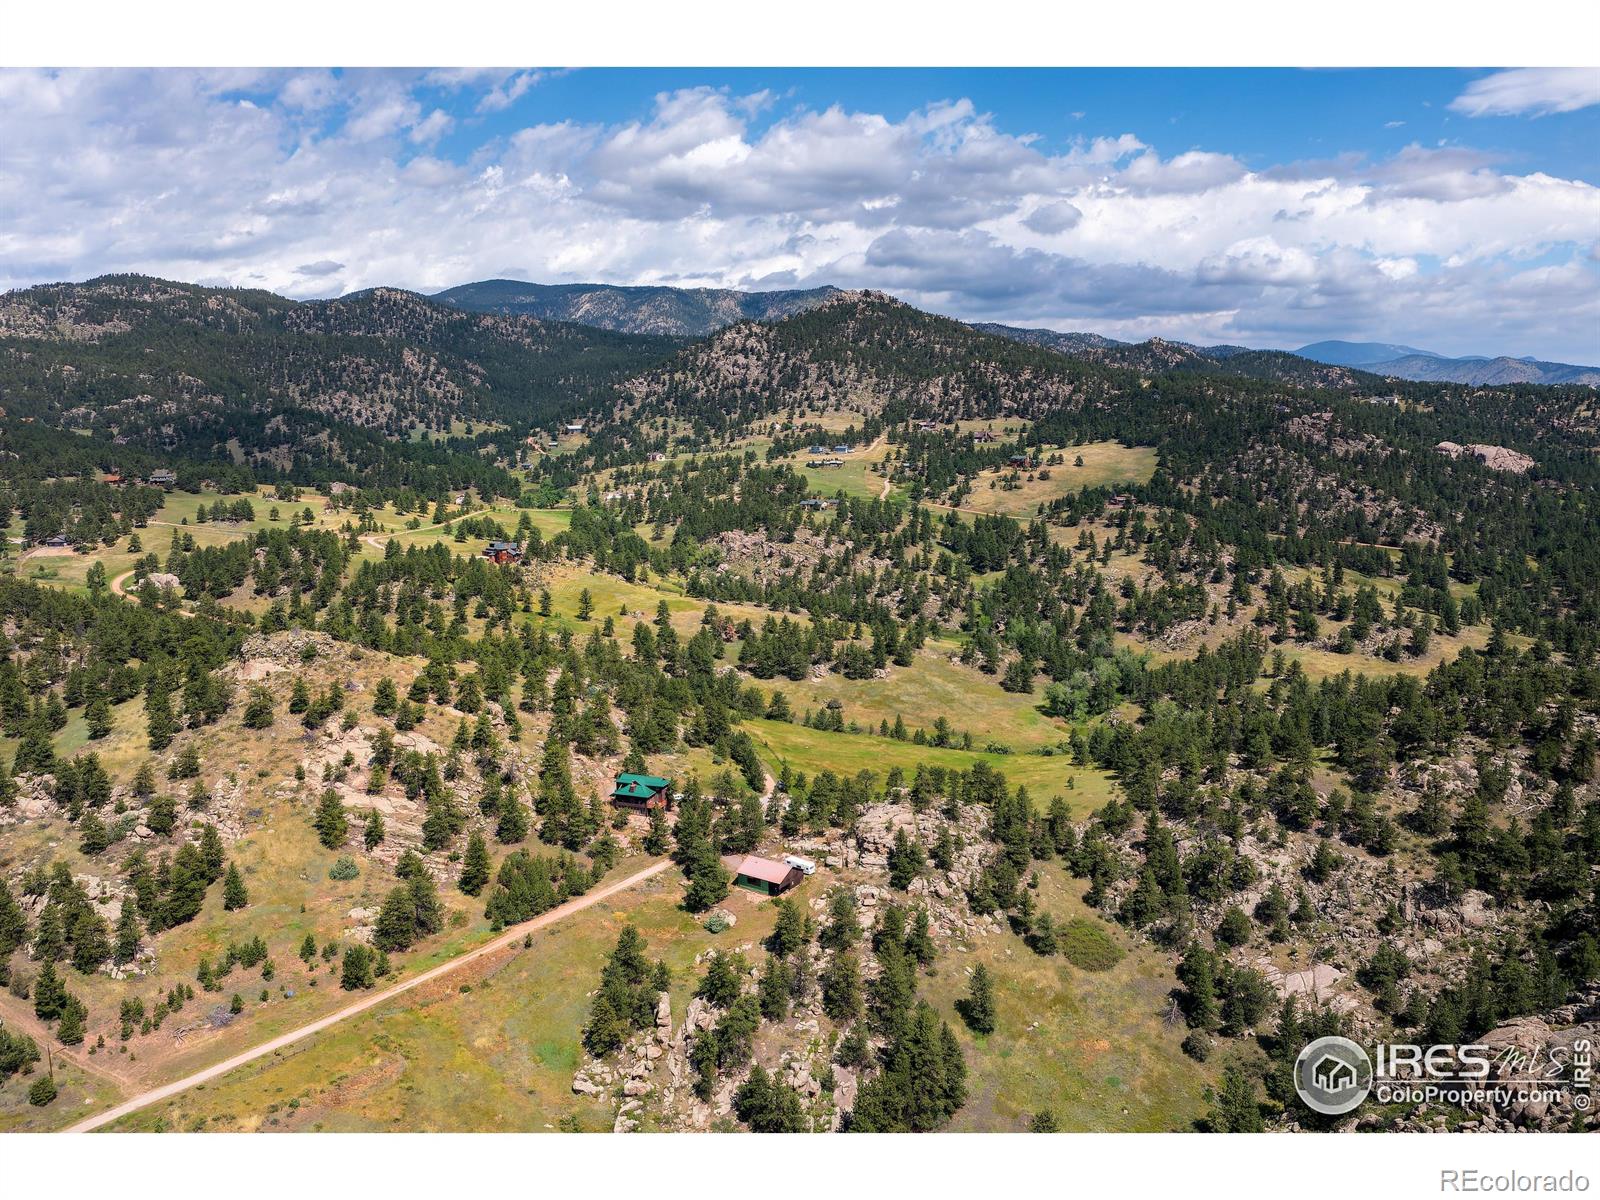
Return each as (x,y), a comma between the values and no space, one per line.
(763,874)
(57,541)
(458,498)
(984,437)
(163,478)
(113,478)
(818,450)
(573,427)
(927,426)
(816,502)
(832,462)
(658,456)
(642,793)
(841,448)
(503,552)
(1021,461)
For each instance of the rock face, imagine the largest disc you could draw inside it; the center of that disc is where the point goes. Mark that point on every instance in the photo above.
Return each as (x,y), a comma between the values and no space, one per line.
(1315,983)
(288,648)
(1496,458)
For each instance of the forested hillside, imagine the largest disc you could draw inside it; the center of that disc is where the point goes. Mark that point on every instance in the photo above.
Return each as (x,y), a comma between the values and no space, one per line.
(382,385)
(671,311)
(1191,711)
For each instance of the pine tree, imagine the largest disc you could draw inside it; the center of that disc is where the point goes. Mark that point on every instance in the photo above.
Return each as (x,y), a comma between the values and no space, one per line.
(373,832)
(160,727)
(13,923)
(128,932)
(1197,974)
(397,921)
(605,1031)
(720,985)
(657,837)
(234,894)
(258,713)
(332,825)
(42,1091)
(212,853)
(91,943)
(708,881)
(357,969)
(97,716)
(73,1019)
(513,824)
(93,834)
(919,942)
(162,816)
(977,1006)
(474,866)
(841,987)
(774,989)
(1236,1108)
(789,931)
(49,993)
(186,887)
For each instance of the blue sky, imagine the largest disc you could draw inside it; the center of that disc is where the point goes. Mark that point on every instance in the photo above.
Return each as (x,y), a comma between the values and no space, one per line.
(1457,210)
(1261,116)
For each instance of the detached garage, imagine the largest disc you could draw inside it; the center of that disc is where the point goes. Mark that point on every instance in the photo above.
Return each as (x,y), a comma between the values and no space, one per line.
(764,875)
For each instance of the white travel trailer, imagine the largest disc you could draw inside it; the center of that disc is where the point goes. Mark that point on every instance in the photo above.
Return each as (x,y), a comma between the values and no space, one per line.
(807,867)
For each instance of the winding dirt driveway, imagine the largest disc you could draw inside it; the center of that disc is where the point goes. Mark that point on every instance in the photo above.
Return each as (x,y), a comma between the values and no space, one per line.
(378,540)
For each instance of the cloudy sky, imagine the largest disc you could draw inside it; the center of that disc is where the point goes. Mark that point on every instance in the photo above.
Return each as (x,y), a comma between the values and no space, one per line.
(1457,211)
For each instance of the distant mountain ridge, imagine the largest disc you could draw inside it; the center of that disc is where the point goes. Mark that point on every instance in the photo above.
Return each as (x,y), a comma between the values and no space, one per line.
(1346,360)
(1407,362)
(1158,354)
(1360,354)
(700,312)
(675,312)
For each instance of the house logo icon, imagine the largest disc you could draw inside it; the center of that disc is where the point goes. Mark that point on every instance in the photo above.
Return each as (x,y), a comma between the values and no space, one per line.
(1332,1075)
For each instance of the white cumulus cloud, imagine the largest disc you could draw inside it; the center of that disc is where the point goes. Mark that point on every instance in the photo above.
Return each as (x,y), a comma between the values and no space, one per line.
(311,181)
(1531,90)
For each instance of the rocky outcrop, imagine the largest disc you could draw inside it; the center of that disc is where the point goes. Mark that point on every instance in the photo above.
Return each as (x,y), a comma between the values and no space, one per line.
(1496,458)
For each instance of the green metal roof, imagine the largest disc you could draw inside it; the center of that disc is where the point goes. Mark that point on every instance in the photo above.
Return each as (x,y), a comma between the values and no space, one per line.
(653,782)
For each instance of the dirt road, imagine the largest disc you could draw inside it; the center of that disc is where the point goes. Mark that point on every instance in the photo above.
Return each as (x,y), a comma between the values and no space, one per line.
(509,938)
(378,540)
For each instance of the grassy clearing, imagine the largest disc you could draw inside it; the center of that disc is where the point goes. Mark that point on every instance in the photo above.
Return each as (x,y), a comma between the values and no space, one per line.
(492,1048)
(1105,464)
(548,521)
(627,604)
(811,751)
(79,1093)
(179,513)
(1091,1046)
(856,478)
(932,687)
